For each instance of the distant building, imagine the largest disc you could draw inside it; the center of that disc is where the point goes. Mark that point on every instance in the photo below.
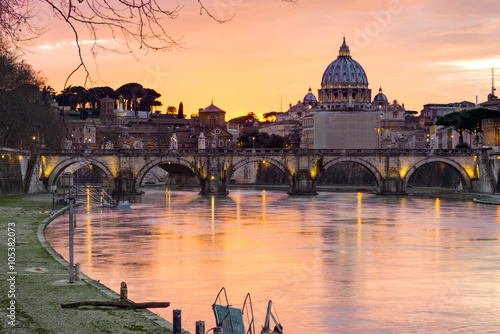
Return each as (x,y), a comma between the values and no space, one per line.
(120,128)
(493,103)
(433,111)
(346,130)
(82,132)
(212,116)
(212,122)
(491,127)
(281,128)
(491,130)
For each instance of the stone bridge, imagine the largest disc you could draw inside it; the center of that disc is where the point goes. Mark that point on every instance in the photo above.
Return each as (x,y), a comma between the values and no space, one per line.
(125,170)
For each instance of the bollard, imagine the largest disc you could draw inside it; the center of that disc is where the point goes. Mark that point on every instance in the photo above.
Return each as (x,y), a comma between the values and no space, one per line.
(200,327)
(123,291)
(177,322)
(78,271)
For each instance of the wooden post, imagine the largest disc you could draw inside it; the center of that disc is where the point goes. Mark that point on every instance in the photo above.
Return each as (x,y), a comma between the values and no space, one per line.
(200,327)
(177,322)
(123,291)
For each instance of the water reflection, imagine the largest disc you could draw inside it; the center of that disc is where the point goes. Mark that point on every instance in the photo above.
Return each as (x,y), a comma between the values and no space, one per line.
(331,263)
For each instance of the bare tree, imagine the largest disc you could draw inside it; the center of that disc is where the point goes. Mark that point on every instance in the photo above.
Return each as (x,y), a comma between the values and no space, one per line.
(26,116)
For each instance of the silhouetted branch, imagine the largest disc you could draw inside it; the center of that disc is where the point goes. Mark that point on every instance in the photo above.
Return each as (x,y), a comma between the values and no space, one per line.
(132,24)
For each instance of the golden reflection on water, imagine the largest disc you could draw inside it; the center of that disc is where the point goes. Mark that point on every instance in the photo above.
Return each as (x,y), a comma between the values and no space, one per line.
(88,229)
(331,263)
(88,239)
(437,207)
(264,207)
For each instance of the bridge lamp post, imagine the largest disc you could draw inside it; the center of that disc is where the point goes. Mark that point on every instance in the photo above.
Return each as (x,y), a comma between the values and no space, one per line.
(253,143)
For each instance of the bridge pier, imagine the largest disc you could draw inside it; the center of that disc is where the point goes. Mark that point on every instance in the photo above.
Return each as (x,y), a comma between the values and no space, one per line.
(303,184)
(124,184)
(392,186)
(213,185)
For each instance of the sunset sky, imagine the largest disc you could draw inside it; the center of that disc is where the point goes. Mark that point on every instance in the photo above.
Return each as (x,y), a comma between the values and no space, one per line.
(271,52)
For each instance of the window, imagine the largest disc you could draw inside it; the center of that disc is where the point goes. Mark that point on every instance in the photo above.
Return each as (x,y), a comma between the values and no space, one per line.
(228,144)
(221,143)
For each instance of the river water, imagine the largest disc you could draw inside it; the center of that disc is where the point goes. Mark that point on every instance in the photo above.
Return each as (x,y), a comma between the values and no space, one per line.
(331,263)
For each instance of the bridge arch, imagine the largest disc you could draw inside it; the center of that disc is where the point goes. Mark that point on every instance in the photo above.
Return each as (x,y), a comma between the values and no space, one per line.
(160,161)
(64,164)
(370,167)
(464,177)
(242,161)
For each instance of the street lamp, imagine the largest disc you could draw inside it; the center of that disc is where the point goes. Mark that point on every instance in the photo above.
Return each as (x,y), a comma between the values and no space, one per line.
(253,142)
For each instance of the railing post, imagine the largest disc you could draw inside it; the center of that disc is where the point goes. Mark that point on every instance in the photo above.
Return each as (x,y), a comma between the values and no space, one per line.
(200,327)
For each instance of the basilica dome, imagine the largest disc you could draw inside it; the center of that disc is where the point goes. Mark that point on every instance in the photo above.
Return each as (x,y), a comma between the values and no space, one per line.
(310,98)
(344,83)
(380,97)
(380,100)
(344,71)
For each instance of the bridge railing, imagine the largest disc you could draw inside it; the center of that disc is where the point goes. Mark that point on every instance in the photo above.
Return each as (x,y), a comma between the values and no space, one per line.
(263,151)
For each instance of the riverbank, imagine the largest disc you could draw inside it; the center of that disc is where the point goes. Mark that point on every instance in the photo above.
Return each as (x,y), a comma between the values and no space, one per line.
(34,283)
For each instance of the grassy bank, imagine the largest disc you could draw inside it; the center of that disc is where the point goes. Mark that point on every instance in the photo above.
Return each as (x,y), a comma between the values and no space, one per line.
(34,284)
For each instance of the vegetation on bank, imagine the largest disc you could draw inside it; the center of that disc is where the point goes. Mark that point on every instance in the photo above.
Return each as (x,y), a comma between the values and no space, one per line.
(38,292)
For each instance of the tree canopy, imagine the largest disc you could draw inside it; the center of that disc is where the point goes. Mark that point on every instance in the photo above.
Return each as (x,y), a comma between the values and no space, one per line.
(27,119)
(251,139)
(468,120)
(270,116)
(135,97)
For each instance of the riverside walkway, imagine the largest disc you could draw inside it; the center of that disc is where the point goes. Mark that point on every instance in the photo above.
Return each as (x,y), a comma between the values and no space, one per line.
(36,286)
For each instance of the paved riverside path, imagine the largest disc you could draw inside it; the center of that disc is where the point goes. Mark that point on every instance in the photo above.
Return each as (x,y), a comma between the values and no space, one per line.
(40,282)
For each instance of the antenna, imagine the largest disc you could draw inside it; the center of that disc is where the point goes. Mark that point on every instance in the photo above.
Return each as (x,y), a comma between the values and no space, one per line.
(281,102)
(493,81)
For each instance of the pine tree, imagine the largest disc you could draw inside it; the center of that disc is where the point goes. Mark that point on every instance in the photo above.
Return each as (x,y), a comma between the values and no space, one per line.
(180,114)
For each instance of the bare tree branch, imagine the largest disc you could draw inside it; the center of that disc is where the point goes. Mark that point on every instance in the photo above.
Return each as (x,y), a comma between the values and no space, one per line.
(16,17)
(132,24)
